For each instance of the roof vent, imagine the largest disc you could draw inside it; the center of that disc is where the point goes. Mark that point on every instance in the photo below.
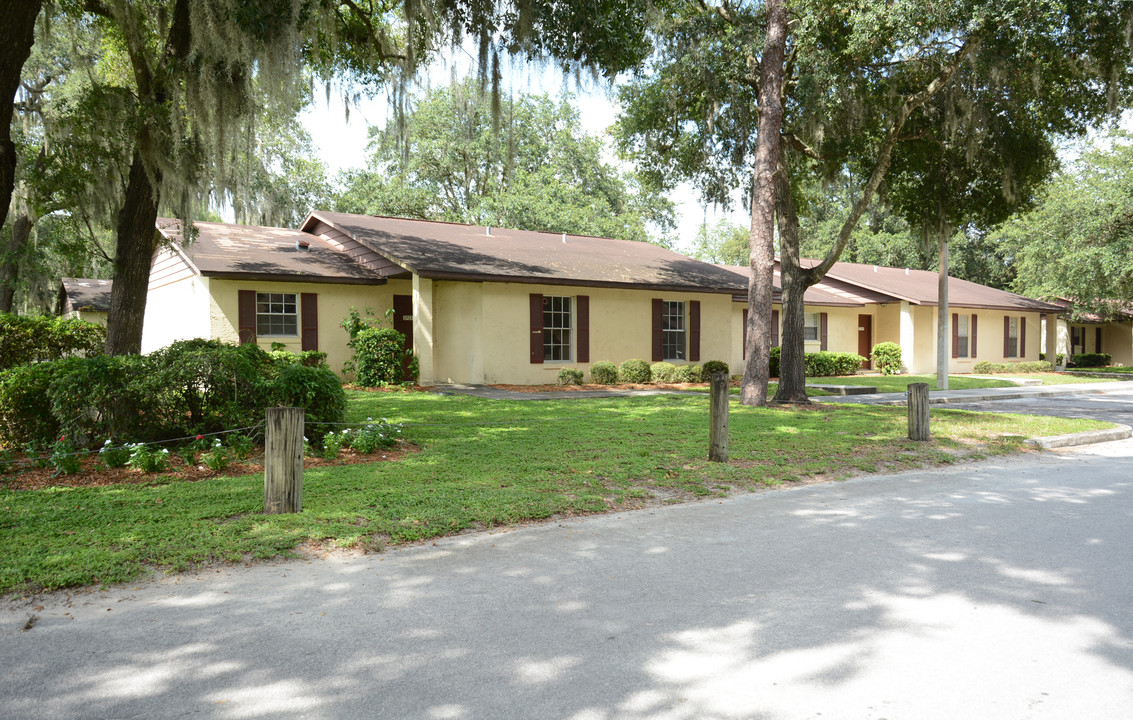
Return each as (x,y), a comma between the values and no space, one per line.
(303,245)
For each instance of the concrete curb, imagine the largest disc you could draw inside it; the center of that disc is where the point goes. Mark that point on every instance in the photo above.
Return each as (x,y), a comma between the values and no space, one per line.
(938,398)
(1119,432)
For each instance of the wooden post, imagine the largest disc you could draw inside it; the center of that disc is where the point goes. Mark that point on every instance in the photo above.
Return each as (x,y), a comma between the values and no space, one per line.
(283,460)
(916,397)
(718,419)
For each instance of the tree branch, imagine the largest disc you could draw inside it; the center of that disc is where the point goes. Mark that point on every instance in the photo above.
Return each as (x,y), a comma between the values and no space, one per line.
(797,143)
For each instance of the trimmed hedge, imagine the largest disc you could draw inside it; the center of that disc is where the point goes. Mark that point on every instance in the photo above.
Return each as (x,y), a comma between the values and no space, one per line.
(570,376)
(1060,357)
(986,367)
(191,387)
(688,374)
(379,354)
(710,368)
(603,372)
(887,358)
(663,372)
(26,339)
(1090,359)
(634,371)
(823,364)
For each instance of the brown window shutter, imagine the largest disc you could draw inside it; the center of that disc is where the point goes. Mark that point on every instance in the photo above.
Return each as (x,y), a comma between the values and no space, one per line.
(972,338)
(1097,339)
(822,330)
(1022,337)
(536,327)
(955,335)
(658,313)
(745,334)
(1006,335)
(774,328)
(582,338)
(246,302)
(309,316)
(694,330)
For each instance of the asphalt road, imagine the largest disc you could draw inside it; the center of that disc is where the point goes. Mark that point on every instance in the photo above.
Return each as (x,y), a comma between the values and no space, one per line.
(1112,406)
(996,590)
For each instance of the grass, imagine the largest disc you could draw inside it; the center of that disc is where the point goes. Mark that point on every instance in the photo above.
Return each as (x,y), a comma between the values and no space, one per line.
(1104,369)
(481,463)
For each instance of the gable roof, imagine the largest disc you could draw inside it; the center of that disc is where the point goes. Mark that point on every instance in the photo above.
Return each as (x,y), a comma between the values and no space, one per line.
(85,294)
(225,250)
(442,250)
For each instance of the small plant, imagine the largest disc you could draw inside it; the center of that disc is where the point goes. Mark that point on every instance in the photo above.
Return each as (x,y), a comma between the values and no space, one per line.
(570,376)
(712,367)
(603,373)
(188,454)
(334,442)
(374,436)
(634,371)
(147,459)
(63,458)
(887,358)
(688,374)
(217,458)
(241,446)
(1090,359)
(663,372)
(36,455)
(6,461)
(114,456)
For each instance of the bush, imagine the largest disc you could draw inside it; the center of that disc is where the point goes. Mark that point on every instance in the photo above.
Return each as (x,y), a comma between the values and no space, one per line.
(603,373)
(570,376)
(710,368)
(114,456)
(1060,358)
(662,372)
(148,459)
(310,358)
(688,374)
(25,415)
(887,358)
(1090,359)
(985,367)
(773,362)
(634,371)
(379,358)
(316,390)
(824,364)
(25,339)
(374,436)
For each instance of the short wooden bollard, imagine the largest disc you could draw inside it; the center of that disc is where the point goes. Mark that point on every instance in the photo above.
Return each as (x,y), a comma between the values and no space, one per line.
(718,419)
(283,460)
(916,397)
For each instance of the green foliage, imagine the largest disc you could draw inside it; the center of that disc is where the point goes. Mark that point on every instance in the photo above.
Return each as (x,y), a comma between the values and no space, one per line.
(773,362)
(712,367)
(317,390)
(64,458)
(531,167)
(887,358)
(114,456)
(724,244)
(25,414)
(310,358)
(1060,358)
(26,339)
(603,372)
(333,442)
(986,367)
(688,374)
(374,436)
(1090,359)
(148,458)
(379,357)
(824,364)
(217,458)
(662,372)
(634,371)
(241,445)
(570,376)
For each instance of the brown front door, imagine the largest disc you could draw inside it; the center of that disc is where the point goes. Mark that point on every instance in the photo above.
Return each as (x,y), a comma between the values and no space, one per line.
(403,323)
(865,339)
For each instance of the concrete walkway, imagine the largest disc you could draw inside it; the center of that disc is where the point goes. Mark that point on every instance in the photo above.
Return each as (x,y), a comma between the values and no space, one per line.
(937,397)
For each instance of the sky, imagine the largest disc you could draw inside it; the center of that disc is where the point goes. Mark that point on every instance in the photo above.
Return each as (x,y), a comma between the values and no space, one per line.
(341,137)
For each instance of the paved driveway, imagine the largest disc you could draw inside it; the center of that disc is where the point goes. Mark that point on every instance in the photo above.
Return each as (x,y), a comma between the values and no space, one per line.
(1112,406)
(996,590)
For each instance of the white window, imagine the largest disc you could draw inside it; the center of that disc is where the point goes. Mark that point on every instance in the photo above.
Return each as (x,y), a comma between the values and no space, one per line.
(1013,337)
(558,316)
(810,326)
(277,315)
(962,335)
(673,345)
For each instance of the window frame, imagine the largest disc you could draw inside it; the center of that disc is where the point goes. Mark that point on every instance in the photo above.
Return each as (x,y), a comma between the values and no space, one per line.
(964,339)
(1012,337)
(553,334)
(817,327)
(269,321)
(675,338)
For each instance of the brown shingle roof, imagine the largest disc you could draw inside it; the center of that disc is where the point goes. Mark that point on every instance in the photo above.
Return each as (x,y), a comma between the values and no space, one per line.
(827,292)
(467,252)
(87,294)
(226,250)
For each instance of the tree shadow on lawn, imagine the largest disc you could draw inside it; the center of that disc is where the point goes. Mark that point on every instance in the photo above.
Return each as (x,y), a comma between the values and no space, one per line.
(944,594)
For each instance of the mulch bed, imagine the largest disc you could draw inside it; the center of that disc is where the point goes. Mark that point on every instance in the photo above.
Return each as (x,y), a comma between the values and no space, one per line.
(94,474)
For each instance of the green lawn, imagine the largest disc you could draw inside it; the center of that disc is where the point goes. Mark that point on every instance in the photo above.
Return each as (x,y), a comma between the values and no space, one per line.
(898,383)
(481,463)
(1105,369)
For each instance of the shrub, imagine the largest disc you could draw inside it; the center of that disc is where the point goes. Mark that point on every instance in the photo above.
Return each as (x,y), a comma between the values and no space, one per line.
(887,358)
(333,442)
(316,390)
(148,459)
(64,458)
(603,373)
(379,357)
(310,358)
(634,371)
(26,339)
(241,445)
(1090,359)
(570,376)
(662,371)
(217,458)
(986,367)
(710,368)
(1060,358)
(688,374)
(104,396)
(824,364)
(773,363)
(375,436)
(25,415)
(114,456)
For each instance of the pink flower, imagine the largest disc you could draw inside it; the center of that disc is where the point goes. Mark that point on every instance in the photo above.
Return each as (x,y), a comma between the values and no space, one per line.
(200,437)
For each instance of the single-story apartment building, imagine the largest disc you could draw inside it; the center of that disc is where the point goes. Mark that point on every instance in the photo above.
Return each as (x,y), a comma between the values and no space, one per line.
(85,298)
(492,305)
(1085,331)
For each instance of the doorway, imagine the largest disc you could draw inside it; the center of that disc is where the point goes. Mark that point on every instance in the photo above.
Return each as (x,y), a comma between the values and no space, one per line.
(865,339)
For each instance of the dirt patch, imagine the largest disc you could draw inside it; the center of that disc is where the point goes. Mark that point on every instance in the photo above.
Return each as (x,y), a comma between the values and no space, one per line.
(94,474)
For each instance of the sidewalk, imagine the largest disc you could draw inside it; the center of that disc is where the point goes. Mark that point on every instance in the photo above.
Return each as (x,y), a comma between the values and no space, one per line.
(937,397)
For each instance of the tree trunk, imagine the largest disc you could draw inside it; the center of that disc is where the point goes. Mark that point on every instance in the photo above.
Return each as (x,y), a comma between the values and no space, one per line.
(795,280)
(762,258)
(17,35)
(133,254)
(10,268)
(943,337)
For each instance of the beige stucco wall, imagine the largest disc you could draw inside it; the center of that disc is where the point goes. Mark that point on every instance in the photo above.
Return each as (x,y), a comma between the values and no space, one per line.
(98,317)
(482,331)
(177,311)
(1117,340)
